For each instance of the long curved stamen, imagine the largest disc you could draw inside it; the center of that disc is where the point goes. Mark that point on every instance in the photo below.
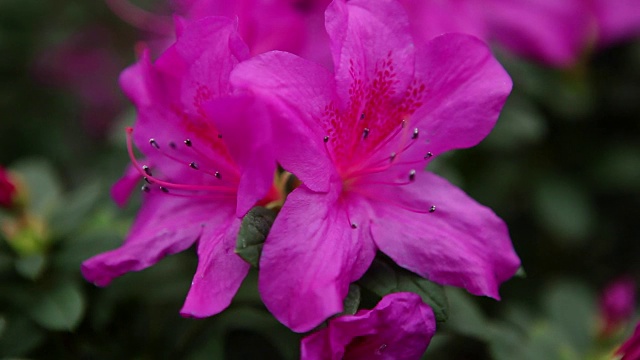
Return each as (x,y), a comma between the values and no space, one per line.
(411,179)
(430,210)
(166,192)
(325,141)
(381,165)
(234,173)
(388,163)
(146,174)
(193,164)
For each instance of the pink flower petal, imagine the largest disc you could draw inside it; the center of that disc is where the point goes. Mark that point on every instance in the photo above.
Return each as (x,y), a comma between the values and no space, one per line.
(399,327)
(165,225)
(122,189)
(220,271)
(617,20)
(461,243)
(369,40)
(554,32)
(245,126)
(465,89)
(311,255)
(301,90)
(430,18)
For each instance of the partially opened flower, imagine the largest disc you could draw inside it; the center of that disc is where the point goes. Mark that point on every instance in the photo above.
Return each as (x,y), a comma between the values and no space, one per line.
(358,140)
(208,161)
(400,327)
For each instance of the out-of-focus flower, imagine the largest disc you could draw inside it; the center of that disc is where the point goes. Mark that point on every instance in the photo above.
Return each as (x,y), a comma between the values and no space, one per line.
(430,18)
(554,32)
(208,161)
(295,26)
(400,327)
(550,31)
(617,303)
(8,189)
(616,20)
(87,66)
(358,140)
(559,32)
(630,350)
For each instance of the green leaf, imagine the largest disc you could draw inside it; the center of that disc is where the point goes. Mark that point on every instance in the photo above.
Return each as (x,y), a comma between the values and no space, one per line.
(352,301)
(380,278)
(60,309)
(3,325)
(260,322)
(19,337)
(571,307)
(44,189)
(564,209)
(77,207)
(383,278)
(32,266)
(253,231)
(466,318)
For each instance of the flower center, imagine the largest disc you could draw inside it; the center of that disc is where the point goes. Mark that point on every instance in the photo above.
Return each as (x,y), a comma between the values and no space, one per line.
(372,142)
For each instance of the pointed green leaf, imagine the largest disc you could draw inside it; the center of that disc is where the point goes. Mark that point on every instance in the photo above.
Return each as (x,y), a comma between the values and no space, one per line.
(253,231)
(384,278)
(431,293)
(352,301)
(60,309)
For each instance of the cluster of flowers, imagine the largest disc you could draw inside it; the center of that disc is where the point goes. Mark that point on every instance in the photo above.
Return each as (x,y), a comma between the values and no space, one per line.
(356,118)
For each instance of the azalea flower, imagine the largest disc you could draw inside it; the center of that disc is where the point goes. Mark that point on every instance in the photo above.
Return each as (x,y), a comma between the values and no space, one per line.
(617,303)
(8,190)
(208,161)
(553,32)
(430,18)
(358,140)
(617,20)
(630,350)
(400,327)
(559,32)
(295,26)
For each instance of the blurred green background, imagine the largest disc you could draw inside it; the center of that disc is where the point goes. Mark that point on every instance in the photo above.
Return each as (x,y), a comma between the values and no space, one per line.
(562,168)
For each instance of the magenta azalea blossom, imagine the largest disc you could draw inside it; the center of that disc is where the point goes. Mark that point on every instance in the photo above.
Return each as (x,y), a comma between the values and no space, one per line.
(295,26)
(617,20)
(630,350)
(558,32)
(359,140)
(430,18)
(617,303)
(400,327)
(207,162)
(550,31)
